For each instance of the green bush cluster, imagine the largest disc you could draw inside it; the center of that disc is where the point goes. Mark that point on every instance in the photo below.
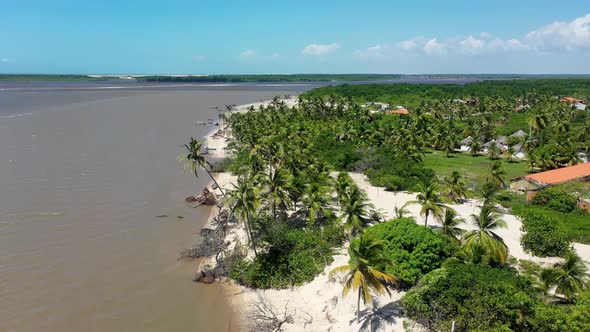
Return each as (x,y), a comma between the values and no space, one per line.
(476,297)
(554,318)
(294,257)
(543,235)
(414,249)
(556,199)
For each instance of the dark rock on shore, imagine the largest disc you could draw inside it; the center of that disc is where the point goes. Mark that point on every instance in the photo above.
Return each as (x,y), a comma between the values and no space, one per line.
(205,276)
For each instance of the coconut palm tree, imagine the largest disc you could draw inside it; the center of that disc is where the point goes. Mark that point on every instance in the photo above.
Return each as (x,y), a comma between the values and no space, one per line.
(487,222)
(278,184)
(474,146)
(363,274)
(355,209)
(510,152)
(244,201)
(342,185)
(571,276)
(400,212)
(430,200)
(489,192)
(193,159)
(316,197)
(455,187)
(494,151)
(449,222)
(547,279)
(497,174)
(537,123)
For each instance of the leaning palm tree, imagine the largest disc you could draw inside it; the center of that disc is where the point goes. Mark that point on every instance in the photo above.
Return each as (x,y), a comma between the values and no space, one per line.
(450,222)
(363,274)
(497,174)
(494,151)
(572,274)
(430,200)
(489,193)
(355,209)
(487,222)
(193,159)
(547,279)
(455,187)
(244,201)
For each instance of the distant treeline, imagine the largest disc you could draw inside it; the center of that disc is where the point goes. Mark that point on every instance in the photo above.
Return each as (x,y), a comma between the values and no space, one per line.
(49,78)
(270,78)
(411,95)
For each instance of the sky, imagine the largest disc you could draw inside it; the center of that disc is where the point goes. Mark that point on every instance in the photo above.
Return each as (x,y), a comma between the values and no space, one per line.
(285,37)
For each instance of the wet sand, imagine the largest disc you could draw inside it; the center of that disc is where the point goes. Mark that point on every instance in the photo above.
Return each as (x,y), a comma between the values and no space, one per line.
(83,177)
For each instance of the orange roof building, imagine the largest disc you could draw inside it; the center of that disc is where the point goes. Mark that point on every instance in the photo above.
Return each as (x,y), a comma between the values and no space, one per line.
(399,111)
(571,100)
(552,177)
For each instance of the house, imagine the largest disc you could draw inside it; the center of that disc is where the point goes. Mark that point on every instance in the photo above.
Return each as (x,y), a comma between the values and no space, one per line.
(487,145)
(464,143)
(580,106)
(398,111)
(519,133)
(571,100)
(534,182)
(502,140)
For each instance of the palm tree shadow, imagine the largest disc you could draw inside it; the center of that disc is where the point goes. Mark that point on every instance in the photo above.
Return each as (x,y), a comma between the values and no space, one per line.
(378,318)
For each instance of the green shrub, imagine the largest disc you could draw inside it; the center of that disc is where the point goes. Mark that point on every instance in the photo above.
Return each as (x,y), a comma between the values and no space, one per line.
(414,249)
(543,235)
(556,199)
(476,297)
(294,257)
(557,318)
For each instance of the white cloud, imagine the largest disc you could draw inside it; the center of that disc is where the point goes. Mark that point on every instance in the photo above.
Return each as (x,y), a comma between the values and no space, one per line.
(3,60)
(376,51)
(320,49)
(471,45)
(432,46)
(247,54)
(562,35)
(570,36)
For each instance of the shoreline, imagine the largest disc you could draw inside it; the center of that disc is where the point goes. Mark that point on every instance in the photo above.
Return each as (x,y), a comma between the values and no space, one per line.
(317,305)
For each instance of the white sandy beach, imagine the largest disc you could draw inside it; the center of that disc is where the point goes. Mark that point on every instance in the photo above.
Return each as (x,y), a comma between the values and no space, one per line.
(318,305)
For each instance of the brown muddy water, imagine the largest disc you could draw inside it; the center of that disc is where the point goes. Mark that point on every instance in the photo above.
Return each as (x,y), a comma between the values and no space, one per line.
(83,175)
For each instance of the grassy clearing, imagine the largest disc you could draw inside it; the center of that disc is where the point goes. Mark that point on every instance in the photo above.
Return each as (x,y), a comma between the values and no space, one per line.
(474,168)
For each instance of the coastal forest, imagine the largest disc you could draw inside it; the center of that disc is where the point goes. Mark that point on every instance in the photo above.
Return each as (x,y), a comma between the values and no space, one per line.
(298,206)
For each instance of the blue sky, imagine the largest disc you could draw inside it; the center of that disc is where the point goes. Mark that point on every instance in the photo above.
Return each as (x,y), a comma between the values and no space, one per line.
(239,37)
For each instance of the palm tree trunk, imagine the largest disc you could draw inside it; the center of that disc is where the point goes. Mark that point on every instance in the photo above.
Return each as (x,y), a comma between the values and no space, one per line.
(249,231)
(214,181)
(426,219)
(358,306)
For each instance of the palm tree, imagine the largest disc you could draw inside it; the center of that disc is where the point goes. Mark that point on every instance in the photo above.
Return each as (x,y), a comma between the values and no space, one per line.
(547,279)
(510,153)
(488,192)
(494,151)
(537,123)
(316,196)
(343,183)
(363,275)
(278,184)
(355,209)
(455,187)
(400,212)
(449,222)
(572,273)
(430,200)
(487,222)
(474,146)
(497,174)
(194,159)
(244,201)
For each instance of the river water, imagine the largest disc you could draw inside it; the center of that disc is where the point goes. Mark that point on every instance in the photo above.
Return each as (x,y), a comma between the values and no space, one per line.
(84,172)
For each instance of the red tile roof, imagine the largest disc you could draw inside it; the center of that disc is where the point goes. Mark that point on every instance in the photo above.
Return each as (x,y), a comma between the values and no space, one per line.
(571,100)
(561,175)
(399,111)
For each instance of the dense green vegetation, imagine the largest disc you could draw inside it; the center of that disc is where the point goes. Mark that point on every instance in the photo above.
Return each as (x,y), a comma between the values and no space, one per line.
(270,78)
(49,78)
(576,224)
(476,297)
(543,236)
(295,209)
(412,95)
(415,250)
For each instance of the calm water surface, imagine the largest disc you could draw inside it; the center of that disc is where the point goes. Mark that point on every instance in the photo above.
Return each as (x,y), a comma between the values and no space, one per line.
(83,175)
